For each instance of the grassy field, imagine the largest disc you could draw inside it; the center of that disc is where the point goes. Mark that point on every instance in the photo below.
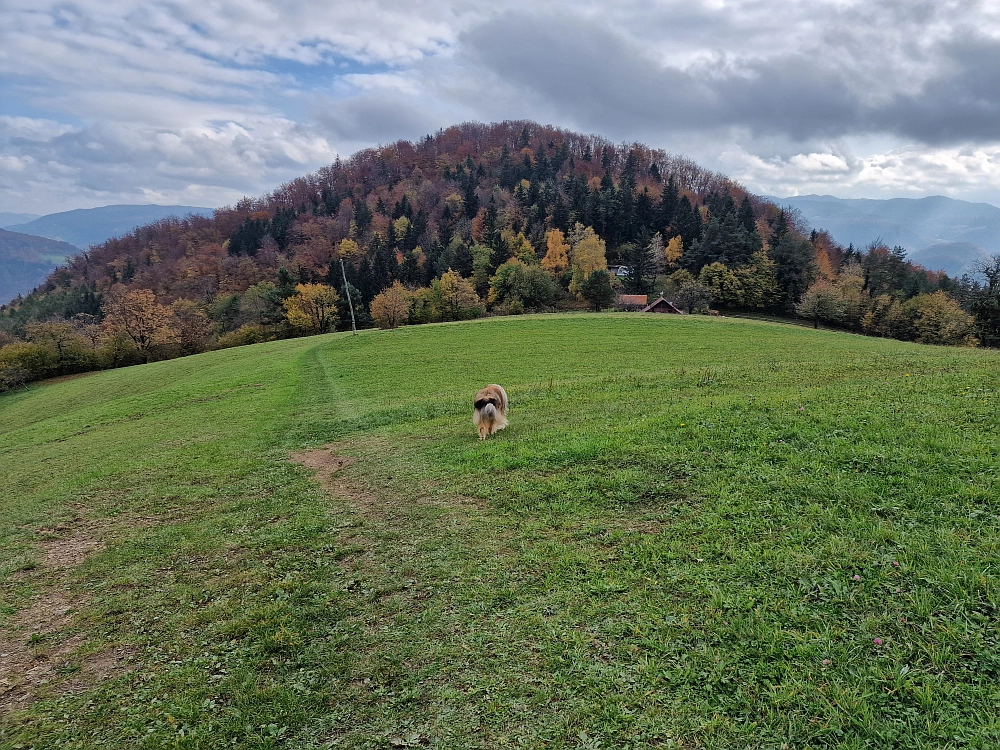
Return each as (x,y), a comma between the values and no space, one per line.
(695,533)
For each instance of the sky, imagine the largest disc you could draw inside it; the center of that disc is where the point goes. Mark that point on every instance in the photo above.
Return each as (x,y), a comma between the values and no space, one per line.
(202,103)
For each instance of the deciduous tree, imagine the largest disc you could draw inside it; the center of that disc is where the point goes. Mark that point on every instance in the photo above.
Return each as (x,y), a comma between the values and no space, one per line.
(459,300)
(391,307)
(313,309)
(193,326)
(135,314)
(589,255)
(821,301)
(556,259)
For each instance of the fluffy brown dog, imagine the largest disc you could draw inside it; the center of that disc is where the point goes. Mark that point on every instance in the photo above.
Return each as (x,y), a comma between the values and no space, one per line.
(490,413)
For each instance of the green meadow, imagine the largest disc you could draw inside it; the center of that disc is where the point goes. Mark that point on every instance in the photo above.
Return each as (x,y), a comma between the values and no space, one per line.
(696,533)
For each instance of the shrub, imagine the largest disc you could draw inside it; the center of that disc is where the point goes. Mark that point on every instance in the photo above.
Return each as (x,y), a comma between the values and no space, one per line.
(23,362)
(938,319)
(248,334)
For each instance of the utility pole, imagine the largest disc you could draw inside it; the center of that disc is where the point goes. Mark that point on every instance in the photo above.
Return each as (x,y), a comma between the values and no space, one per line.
(347,291)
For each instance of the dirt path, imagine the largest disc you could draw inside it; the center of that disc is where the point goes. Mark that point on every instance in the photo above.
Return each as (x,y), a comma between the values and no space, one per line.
(38,647)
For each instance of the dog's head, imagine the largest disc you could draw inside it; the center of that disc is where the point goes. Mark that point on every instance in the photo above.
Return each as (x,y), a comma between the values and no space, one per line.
(481,403)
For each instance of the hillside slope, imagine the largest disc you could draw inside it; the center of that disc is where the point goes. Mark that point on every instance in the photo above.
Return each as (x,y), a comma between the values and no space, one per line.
(26,260)
(701,531)
(414,210)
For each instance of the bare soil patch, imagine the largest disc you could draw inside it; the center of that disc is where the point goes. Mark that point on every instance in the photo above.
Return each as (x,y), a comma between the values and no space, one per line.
(38,648)
(323,462)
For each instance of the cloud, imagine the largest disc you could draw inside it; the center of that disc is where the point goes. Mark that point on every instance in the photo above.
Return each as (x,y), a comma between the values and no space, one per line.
(964,172)
(938,88)
(113,100)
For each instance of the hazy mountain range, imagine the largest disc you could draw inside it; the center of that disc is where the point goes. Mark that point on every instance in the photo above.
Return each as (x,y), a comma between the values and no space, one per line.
(7,218)
(91,226)
(939,233)
(25,261)
(31,246)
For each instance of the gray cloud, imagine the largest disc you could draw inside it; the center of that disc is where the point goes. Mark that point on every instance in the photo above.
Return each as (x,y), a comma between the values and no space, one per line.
(602,78)
(173,100)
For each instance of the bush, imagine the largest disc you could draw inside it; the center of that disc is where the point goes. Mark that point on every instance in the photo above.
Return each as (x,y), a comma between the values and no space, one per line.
(529,285)
(938,319)
(34,359)
(12,376)
(248,334)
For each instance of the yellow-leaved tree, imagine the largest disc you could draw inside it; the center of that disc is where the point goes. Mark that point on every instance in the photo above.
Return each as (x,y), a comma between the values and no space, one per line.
(349,248)
(589,255)
(673,251)
(556,259)
(391,307)
(459,300)
(313,308)
(137,317)
(520,248)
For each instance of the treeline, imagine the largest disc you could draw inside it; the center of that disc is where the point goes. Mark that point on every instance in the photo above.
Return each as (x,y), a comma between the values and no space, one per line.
(476,219)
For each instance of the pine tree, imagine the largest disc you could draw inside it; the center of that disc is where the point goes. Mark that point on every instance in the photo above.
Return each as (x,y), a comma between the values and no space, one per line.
(667,208)
(641,267)
(687,223)
(795,266)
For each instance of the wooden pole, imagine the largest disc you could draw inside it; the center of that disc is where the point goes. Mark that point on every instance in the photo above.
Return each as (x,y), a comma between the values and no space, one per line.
(347,291)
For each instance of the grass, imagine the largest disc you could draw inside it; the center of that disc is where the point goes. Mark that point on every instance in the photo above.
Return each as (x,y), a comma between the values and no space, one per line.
(696,533)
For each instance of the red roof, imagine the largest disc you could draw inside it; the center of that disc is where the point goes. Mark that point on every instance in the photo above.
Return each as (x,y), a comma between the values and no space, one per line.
(633,299)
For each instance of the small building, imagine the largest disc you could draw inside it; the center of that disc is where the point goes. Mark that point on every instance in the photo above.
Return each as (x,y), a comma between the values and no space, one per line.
(662,305)
(632,301)
(618,271)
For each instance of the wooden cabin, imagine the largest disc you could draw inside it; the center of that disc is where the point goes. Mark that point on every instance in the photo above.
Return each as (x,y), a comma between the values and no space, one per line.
(662,305)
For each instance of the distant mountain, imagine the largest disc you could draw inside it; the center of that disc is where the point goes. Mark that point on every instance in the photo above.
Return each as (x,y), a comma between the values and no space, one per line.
(940,233)
(7,219)
(25,261)
(92,226)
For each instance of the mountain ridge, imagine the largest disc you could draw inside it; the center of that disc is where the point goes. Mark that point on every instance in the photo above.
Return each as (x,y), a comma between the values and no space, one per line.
(83,227)
(8,218)
(25,261)
(939,232)
(74,231)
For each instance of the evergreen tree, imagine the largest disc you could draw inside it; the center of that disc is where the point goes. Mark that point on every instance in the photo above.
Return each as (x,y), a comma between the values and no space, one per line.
(985,302)
(667,208)
(383,265)
(596,289)
(795,266)
(641,267)
(493,236)
(687,223)
(462,261)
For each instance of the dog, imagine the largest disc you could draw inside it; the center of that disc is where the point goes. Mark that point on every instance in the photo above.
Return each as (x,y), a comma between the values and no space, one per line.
(490,410)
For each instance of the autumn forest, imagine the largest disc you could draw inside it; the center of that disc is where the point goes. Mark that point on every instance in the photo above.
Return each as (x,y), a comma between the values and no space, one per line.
(477,219)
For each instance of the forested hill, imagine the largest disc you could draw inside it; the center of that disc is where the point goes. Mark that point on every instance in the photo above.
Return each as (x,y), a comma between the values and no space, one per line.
(501,217)
(414,210)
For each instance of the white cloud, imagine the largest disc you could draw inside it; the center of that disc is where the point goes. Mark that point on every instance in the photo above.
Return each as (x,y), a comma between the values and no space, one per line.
(820,162)
(119,100)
